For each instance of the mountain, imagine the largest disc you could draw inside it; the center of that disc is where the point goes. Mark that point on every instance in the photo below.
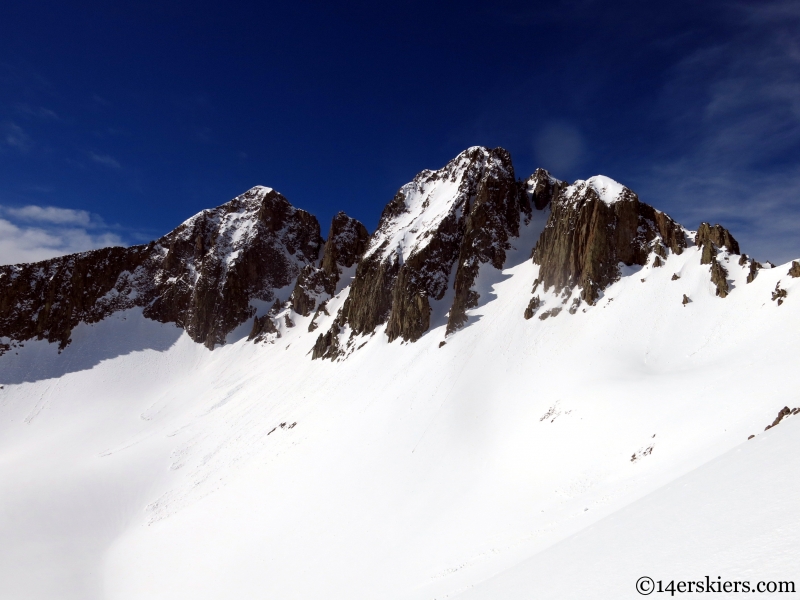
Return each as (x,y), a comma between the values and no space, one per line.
(206,276)
(512,388)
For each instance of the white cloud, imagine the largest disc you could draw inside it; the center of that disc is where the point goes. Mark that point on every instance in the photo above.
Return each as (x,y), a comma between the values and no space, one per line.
(52,214)
(20,244)
(33,233)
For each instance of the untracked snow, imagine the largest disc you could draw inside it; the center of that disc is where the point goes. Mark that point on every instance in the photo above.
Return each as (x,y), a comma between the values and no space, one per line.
(557,458)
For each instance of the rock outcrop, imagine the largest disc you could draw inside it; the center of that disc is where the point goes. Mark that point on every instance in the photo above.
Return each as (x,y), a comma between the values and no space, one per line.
(202,276)
(755,267)
(794,270)
(780,294)
(595,225)
(347,240)
(710,238)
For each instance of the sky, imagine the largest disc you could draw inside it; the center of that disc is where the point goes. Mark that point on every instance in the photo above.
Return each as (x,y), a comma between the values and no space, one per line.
(118,121)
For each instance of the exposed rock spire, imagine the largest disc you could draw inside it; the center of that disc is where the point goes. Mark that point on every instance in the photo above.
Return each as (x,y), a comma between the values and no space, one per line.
(347,240)
(593,226)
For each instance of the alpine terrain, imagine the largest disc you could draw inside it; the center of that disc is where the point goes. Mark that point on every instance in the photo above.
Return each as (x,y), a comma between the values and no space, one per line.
(513,388)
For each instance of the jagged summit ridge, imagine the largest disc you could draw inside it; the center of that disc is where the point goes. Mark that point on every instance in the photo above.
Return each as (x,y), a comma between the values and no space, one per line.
(259,258)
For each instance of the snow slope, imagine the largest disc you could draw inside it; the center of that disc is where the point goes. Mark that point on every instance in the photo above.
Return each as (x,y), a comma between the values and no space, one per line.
(518,460)
(734,519)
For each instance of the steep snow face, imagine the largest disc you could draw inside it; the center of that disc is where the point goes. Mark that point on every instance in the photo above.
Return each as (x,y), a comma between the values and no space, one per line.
(606,189)
(420,207)
(141,465)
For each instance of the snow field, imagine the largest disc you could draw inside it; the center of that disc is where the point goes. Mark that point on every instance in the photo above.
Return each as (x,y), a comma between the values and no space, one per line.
(498,464)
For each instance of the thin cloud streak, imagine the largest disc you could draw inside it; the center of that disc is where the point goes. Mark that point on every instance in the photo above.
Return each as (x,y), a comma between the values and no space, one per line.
(105,160)
(14,136)
(743,118)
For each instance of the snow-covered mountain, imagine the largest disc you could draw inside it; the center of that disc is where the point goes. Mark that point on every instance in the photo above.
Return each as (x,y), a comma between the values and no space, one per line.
(514,388)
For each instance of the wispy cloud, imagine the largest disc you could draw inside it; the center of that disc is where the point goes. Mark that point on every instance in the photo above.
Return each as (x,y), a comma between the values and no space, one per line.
(105,160)
(37,111)
(738,133)
(32,233)
(15,137)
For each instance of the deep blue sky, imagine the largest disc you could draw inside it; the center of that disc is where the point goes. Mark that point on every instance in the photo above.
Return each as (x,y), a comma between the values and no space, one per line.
(134,116)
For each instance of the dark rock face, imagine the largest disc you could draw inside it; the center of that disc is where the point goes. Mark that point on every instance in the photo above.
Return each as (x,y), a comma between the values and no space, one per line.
(201,276)
(347,240)
(710,238)
(782,413)
(541,189)
(754,268)
(779,294)
(493,219)
(719,277)
(262,326)
(595,225)
(327,345)
(533,305)
(794,270)
(440,227)
(46,300)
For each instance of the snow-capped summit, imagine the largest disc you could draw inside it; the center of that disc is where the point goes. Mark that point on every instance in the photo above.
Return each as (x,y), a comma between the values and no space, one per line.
(413,218)
(605,188)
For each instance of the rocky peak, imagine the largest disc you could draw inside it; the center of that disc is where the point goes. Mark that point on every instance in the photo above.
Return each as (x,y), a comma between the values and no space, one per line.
(439,228)
(202,276)
(347,241)
(594,225)
(541,188)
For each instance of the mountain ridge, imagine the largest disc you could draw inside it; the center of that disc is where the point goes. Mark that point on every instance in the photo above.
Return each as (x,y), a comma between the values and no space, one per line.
(225,266)
(408,470)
